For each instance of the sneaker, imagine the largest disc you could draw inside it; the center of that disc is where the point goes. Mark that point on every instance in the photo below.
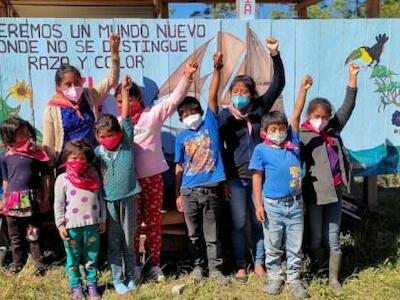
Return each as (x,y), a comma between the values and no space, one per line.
(157,274)
(14,269)
(241,276)
(40,270)
(77,293)
(219,277)
(274,287)
(92,292)
(197,274)
(131,285)
(298,290)
(120,288)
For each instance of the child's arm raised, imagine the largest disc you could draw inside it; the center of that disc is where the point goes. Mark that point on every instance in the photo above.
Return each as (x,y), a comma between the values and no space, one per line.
(257,178)
(178,180)
(306,83)
(215,81)
(126,85)
(278,80)
(166,108)
(344,112)
(103,87)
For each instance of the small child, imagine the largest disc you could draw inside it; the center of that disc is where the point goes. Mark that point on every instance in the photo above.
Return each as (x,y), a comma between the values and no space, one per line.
(23,167)
(279,204)
(148,122)
(326,172)
(4,240)
(199,171)
(80,215)
(120,189)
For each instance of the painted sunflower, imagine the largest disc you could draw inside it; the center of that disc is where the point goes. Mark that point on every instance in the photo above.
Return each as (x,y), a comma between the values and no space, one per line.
(20,91)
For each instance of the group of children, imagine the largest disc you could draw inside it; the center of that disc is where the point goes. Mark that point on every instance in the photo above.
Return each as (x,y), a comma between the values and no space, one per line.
(114,183)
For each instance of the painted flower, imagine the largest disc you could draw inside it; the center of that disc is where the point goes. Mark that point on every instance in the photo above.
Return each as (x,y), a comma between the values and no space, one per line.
(20,91)
(396,118)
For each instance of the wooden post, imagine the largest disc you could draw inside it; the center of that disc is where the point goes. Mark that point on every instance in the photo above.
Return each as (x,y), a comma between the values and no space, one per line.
(302,13)
(370,184)
(373,8)
(3,12)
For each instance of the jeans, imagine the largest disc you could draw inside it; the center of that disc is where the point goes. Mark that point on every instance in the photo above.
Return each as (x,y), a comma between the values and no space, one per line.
(325,225)
(83,246)
(121,229)
(202,210)
(242,206)
(284,227)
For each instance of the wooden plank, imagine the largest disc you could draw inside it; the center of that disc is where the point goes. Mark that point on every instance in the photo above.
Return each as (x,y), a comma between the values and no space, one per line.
(302,13)
(81,3)
(370,184)
(306,3)
(373,8)
(370,193)
(164,11)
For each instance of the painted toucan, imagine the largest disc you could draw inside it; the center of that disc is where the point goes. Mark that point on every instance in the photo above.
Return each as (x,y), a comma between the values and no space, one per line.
(367,54)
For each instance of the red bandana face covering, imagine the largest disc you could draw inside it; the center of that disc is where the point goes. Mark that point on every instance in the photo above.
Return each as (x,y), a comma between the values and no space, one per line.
(28,149)
(135,111)
(111,142)
(81,175)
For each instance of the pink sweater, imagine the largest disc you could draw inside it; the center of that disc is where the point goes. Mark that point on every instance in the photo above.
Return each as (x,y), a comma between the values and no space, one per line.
(149,158)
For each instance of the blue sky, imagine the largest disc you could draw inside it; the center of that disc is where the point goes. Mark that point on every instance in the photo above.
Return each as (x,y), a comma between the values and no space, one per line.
(184,10)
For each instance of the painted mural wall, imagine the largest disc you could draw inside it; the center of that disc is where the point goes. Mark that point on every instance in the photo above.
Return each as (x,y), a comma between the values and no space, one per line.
(154,52)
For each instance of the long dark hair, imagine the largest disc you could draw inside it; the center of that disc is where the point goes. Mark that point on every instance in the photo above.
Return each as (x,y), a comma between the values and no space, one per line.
(248,82)
(10,127)
(320,102)
(65,68)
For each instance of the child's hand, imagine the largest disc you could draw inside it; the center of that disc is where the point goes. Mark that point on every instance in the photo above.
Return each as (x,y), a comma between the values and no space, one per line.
(63,232)
(179,204)
(227,192)
(190,69)
(114,43)
(307,82)
(102,228)
(126,82)
(217,58)
(354,69)
(260,214)
(272,44)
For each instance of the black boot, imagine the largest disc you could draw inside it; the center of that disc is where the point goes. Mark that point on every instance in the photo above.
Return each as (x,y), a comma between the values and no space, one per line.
(317,257)
(335,261)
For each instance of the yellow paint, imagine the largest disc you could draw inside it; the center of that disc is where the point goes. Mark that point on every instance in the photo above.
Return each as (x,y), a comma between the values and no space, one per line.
(365,56)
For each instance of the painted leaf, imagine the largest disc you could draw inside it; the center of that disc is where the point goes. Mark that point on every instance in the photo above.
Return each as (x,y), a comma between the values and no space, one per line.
(381,72)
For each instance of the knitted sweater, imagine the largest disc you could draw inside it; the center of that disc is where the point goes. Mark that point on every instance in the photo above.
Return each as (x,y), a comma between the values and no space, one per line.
(53,131)
(75,207)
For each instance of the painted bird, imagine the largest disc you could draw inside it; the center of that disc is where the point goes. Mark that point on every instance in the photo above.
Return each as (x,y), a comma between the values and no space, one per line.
(367,54)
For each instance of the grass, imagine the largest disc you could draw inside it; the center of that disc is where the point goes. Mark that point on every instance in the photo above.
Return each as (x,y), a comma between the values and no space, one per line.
(371,269)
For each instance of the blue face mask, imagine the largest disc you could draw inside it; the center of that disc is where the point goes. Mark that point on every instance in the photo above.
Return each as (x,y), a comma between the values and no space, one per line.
(240,101)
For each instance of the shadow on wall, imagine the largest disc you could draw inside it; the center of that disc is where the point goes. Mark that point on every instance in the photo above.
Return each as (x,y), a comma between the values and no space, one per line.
(383,159)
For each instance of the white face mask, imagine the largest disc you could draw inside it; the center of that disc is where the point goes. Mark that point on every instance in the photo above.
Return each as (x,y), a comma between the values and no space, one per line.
(73,93)
(193,121)
(277,138)
(319,124)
